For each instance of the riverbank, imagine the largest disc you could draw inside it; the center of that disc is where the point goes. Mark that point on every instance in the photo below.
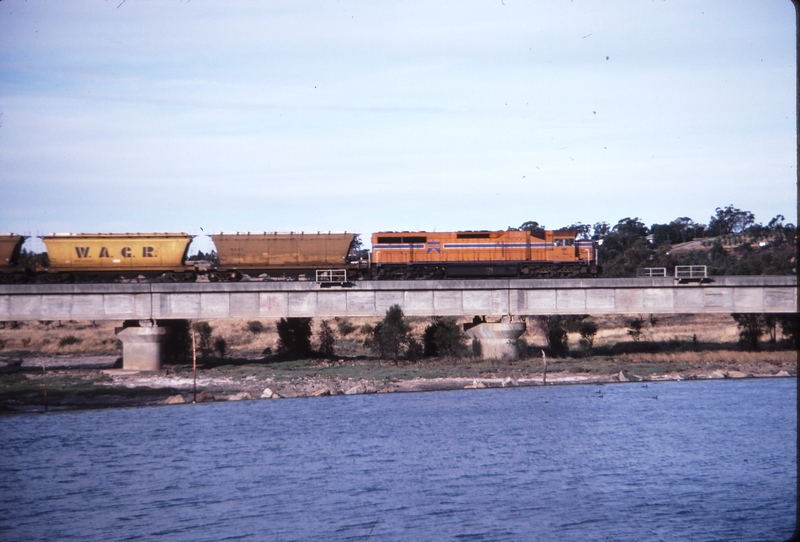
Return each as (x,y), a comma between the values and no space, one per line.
(92,382)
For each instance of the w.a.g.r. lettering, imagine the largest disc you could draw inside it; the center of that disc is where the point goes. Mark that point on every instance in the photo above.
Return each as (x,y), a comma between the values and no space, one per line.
(125,252)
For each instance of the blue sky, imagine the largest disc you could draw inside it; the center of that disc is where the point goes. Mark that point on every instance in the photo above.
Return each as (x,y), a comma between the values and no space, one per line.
(366,116)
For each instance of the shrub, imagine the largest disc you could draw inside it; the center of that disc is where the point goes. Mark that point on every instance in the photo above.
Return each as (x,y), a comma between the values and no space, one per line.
(294,336)
(177,346)
(203,330)
(255,327)
(414,350)
(555,328)
(588,330)
(326,340)
(345,328)
(221,346)
(390,334)
(635,328)
(443,337)
(751,327)
(68,340)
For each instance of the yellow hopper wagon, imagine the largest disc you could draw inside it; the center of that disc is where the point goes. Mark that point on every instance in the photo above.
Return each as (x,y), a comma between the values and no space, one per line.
(103,256)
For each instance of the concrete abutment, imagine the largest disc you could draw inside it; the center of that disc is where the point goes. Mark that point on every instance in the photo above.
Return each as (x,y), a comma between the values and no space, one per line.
(142,346)
(495,340)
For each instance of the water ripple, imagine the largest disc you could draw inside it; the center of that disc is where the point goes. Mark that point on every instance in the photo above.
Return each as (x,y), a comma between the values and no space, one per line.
(708,461)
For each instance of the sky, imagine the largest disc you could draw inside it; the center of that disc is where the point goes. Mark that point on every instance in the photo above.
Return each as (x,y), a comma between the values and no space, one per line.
(200,116)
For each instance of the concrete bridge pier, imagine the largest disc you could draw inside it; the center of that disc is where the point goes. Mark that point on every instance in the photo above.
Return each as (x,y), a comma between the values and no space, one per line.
(141,346)
(495,340)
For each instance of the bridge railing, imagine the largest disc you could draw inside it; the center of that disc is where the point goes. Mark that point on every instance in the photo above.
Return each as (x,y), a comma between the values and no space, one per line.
(332,275)
(691,272)
(651,272)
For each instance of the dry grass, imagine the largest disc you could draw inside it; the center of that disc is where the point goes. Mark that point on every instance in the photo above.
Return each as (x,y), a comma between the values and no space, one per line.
(72,338)
(672,332)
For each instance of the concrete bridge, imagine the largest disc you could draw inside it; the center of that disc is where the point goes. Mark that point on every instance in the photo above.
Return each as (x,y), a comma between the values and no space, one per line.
(491,298)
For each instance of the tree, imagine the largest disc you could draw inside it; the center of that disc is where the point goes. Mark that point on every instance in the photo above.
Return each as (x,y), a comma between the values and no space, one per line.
(588,331)
(357,250)
(294,336)
(680,230)
(730,220)
(635,328)
(751,327)
(203,330)
(326,339)
(554,328)
(630,229)
(582,231)
(443,337)
(536,229)
(788,323)
(390,334)
(600,230)
(771,326)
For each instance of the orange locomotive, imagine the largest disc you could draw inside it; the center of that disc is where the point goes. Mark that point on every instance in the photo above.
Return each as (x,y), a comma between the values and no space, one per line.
(403,255)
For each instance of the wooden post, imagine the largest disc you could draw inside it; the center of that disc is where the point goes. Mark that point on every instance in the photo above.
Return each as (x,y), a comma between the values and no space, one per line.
(44,375)
(194,366)
(544,379)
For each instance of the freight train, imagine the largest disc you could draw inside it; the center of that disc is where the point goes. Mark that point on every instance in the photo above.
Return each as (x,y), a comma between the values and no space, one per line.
(328,258)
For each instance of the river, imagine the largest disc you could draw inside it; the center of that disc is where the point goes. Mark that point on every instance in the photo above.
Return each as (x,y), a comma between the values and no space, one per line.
(698,460)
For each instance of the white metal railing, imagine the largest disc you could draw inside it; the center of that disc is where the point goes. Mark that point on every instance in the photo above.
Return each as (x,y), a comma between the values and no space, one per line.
(691,272)
(651,272)
(331,275)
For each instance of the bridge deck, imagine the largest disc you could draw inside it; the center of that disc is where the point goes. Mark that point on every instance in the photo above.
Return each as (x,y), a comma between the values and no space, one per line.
(416,298)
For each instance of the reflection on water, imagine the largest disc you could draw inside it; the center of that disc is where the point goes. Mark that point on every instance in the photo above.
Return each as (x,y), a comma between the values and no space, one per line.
(711,460)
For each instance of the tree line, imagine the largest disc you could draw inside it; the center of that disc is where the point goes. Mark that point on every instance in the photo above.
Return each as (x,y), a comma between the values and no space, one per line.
(757,249)
(392,339)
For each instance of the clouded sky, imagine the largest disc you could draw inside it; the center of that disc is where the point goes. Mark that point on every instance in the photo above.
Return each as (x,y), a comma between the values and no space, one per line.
(398,115)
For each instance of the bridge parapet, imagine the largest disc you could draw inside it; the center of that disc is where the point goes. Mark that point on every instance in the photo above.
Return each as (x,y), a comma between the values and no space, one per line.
(416,298)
